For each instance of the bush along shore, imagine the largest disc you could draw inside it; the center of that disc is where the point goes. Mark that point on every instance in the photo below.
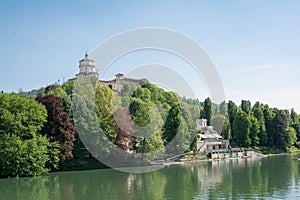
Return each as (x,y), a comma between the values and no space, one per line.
(38,133)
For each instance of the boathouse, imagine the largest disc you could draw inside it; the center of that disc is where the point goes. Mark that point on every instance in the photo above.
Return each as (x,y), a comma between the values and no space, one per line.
(211,142)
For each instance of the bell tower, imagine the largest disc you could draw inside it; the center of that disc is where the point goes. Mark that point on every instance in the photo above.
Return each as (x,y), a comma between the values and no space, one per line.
(87,67)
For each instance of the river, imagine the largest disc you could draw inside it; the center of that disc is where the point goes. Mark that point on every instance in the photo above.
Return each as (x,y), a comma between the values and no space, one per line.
(261,178)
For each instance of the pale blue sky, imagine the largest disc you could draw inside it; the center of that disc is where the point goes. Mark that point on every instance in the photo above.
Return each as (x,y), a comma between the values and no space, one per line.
(254,44)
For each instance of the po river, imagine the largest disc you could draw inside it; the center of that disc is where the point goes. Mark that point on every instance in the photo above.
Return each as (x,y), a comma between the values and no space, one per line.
(273,177)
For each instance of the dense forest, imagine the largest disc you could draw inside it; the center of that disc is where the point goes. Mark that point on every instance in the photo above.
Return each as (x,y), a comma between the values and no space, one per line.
(38,132)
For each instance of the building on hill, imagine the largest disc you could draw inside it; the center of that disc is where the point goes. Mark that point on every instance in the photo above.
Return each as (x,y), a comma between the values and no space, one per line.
(87,68)
(118,83)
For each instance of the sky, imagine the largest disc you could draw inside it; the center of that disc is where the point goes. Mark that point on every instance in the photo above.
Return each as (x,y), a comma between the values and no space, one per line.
(255,45)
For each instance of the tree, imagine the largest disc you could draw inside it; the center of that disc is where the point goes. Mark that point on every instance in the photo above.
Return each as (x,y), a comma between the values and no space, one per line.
(23,151)
(60,92)
(154,127)
(223,108)
(85,118)
(58,127)
(151,147)
(139,110)
(182,140)
(172,124)
(290,138)
(142,93)
(281,125)
(172,98)
(222,126)
(295,123)
(157,94)
(232,110)
(241,129)
(148,121)
(21,115)
(218,122)
(246,106)
(285,136)
(254,130)
(269,117)
(187,112)
(28,157)
(103,101)
(226,131)
(207,110)
(90,137)
(68,87)
(259,115)
(128,89)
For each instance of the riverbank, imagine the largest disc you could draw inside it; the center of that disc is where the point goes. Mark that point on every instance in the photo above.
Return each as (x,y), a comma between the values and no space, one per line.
(272,150)
(91,163)
(249,153)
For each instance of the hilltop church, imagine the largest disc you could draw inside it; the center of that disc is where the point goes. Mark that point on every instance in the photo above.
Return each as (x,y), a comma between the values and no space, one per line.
(87,68)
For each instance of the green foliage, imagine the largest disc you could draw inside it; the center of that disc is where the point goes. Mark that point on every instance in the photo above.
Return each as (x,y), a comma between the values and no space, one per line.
(254,130)
(157,94)
(226,131)
(191,101)
(246,106)
(21,115)
(259,115)
(187,112)
(232,110)
(154,126)
(290,138)
(23,151)
(218,122)
(241,129)
(68,87)
(26,157)
(172,123)
(139,109)
(269,116)
(142,93)
(126,94)
(103,101)
(152,118)
(281,126)
(172,98)
(223,108)
(207,110)
(152,146)
(128,89)
(85,117)
(182,141)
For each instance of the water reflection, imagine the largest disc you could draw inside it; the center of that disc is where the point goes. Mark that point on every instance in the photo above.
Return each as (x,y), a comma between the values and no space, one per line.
(269,177)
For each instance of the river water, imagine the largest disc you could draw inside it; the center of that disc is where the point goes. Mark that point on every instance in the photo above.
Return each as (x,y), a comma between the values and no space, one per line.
(273,177)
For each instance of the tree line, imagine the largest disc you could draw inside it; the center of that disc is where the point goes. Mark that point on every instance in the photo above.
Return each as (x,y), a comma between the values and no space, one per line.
(254,126)
(38,134)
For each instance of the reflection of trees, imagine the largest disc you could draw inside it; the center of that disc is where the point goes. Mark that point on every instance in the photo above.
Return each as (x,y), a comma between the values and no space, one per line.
(266,177)
(181,182)
(229,179)
(42,187)
(209,175)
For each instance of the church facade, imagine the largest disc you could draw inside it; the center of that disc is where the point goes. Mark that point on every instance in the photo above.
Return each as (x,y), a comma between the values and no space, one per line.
(87,68)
